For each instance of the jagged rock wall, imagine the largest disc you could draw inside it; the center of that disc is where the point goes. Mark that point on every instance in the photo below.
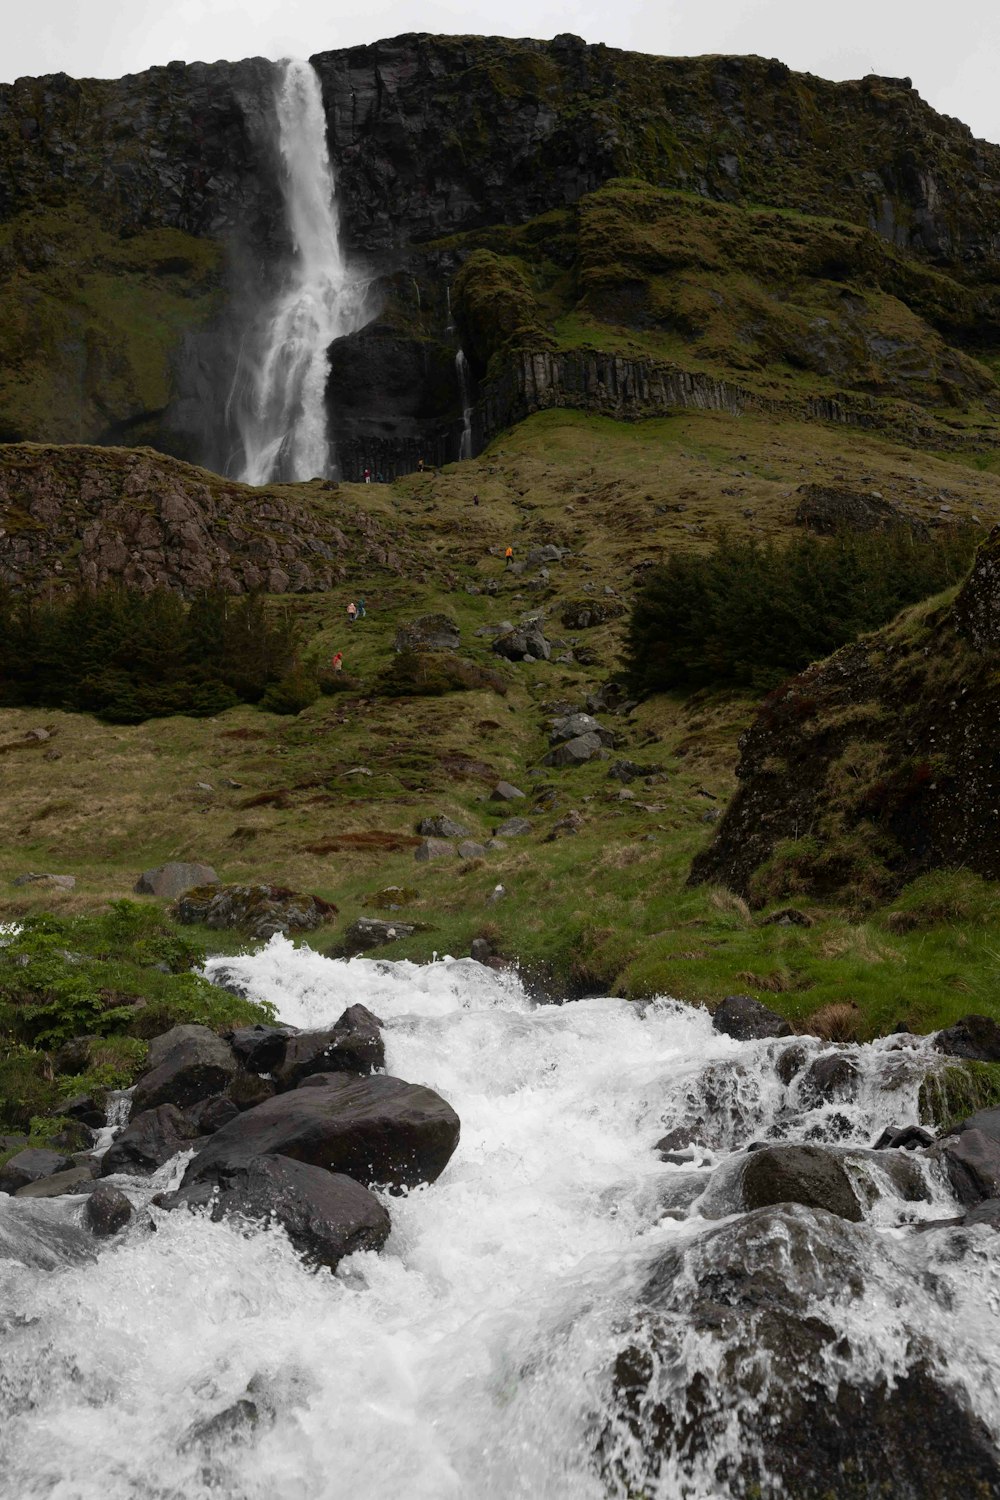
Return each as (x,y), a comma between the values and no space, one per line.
(91,516)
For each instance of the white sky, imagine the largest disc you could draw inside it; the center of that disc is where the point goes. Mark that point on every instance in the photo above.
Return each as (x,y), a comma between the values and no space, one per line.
(951,51)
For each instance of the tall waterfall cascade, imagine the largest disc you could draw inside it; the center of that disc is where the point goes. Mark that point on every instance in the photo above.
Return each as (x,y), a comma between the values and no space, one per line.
(465,386)
(481,1352)
(277,403)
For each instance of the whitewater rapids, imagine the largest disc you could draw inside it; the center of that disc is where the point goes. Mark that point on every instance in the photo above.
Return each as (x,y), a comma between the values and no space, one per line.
(472,1358)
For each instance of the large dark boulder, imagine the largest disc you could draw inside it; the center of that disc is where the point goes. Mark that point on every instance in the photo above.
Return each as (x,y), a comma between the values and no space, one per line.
(325,1214)
(149,1140)
(353,1045)
(833,1076)
(259,1049)
(972,1163)
(525,640)
(259,910)
(377,1130)
(810,1175)
(32,1165)
(739,1360)
(743,1017)
(106,1211)
(186,1064)
(975,1038)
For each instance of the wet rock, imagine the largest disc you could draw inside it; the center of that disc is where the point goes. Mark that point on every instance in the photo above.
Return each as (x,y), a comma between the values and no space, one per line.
(149,1140)
(260,910)
(353,1045)
(211,1114)
(371,932)
(174,878)
(84,1108)
(106,1211)
(434,849)
(743,1017)
(505,792)
(975,1038)
(834,1076)
(777,1394)
(810,1175)
(441,827)
(903,1138)
(972,1163)
(576,752)
(376,1130)
(32,1165)
(247,1090)
(985,1120)
(480,950)
(186,1064)
(73,1180)
(985,1213)
(326,1215)
(436,632)
(259,1049)
(32,1237)
(513,828)
(790,1062)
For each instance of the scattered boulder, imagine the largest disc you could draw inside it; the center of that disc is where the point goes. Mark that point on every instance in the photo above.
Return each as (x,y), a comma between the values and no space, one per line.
(326,1215)
(185,1064)
(903,1138)
(86,1109)
(504,792)
(570,823)
(630,770)
(548,553)
(575,752)
(747,1020)
(54,882)
(523,641)
(512,828)
(584,614)
(32,1165)
(247,1090)
(260,910)
(106,1211)
(572,726)
(436,632)
(372,932)
(259,1049)
(434,849)
(469,849)
(353,1045)
(441,827)
(975,1038)
(377,1130)
(174,878)
(149,1140)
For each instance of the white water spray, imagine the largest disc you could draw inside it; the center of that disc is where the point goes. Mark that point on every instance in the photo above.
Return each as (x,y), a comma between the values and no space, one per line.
(465,386)
(278,399)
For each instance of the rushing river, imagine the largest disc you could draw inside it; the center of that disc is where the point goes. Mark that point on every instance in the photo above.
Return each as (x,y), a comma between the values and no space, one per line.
(473,1358)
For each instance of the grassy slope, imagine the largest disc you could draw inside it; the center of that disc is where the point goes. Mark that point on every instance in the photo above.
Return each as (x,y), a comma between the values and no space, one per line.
(606,908)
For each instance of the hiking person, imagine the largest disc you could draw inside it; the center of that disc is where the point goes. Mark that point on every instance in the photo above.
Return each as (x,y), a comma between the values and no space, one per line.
(420,466)
(368,476)
(361,607)
(475,499)
(352,612)
(337,661)
(508,558)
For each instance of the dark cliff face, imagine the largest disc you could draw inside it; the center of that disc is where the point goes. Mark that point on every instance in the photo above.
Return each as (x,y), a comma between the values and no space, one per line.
(433,140)
(877,764)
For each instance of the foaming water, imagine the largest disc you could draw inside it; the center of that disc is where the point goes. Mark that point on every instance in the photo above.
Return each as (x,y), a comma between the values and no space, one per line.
(473,1356)
(278,399)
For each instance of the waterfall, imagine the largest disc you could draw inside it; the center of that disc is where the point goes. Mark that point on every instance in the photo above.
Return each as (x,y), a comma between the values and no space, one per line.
(465,386)
(278,398)
(478,1354)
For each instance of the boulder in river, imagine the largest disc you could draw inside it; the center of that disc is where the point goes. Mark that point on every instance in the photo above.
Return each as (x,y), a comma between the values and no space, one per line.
(149,1140)
(30,1166)
(811,1175)
(972,1162)
(259,1049)
(325,1214)
(738,1356)
(377,1130)
(353,1045)
(106,1211)
(186,1064)
(975,1038)
(747,1020)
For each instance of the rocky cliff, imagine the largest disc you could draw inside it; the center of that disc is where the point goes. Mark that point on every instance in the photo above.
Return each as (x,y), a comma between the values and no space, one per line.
(877,764)
(163,188)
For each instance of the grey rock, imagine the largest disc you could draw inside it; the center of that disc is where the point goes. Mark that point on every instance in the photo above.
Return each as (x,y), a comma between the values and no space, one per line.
(470,849)
(372,932)
(186,1064)
(480,950)
(149,1140)
(441,827)
(259,910)
(376,1130)
(972,1162)
(259,1049)
(70,1181)
(353,1045)
(55,882)
(574,752)
(521,642)
(976,1038)
(512,828)
(809,1175)
(106,1211)
(743,1017)
(174,878)
(86,1109)
(32,1237)
(496,895)
(434,849)
(504,792)
(326,1215)
(985,1213)
(209,1115)
(574,725)
(31,1166)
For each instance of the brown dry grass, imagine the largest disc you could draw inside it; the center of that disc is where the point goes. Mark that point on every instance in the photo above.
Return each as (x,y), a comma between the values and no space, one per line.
(834,1023)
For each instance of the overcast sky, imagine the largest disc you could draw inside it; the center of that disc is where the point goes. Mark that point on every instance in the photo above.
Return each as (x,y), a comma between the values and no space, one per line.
(951,51)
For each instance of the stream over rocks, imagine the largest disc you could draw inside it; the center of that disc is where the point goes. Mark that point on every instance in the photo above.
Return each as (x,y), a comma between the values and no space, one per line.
(606,1294)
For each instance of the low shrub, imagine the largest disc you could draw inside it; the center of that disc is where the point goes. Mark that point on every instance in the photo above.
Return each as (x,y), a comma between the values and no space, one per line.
(429,674)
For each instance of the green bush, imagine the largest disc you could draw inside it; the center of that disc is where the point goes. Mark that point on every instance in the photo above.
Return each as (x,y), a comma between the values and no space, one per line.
(749,614)
(294,692)
(429,674)
(127,656)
